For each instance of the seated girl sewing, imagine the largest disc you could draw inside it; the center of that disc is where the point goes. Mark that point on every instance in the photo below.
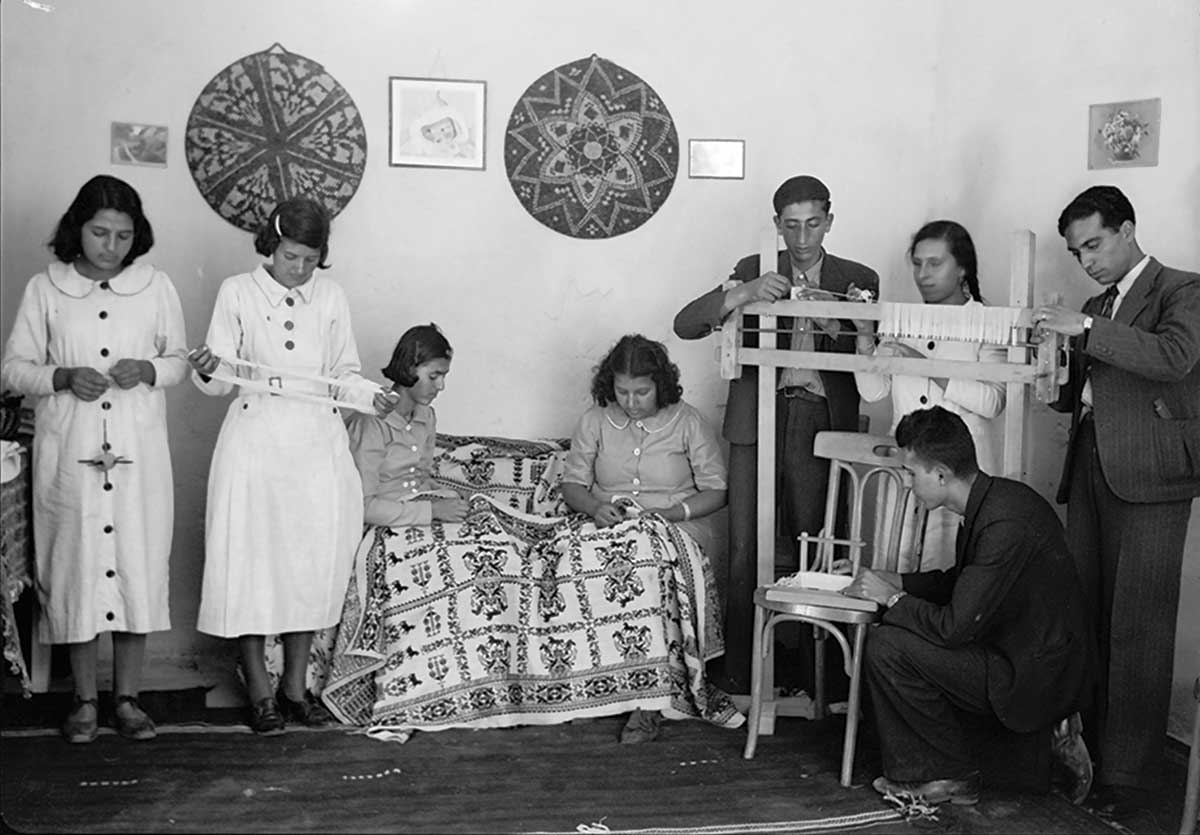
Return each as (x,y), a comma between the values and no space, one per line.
(483,614)
(641,448)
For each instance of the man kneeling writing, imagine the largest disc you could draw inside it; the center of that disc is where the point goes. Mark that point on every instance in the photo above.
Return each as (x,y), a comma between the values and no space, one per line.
(1001,634)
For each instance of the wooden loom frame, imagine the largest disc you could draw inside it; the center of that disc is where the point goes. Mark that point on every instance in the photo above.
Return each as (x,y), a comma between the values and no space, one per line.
(1044,370)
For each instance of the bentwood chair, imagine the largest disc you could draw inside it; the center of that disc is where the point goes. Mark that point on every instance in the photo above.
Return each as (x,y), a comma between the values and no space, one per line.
(861,462)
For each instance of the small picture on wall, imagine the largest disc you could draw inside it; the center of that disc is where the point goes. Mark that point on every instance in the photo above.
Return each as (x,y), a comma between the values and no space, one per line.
(719,159)
(135,144)
(1124,134)
(437,122)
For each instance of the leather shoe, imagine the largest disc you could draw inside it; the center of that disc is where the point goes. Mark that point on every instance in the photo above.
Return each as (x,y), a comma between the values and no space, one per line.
(306,710)
(265,719)
(83,722)
(964,792)
(1116,803)
(133,723)
(1072,764)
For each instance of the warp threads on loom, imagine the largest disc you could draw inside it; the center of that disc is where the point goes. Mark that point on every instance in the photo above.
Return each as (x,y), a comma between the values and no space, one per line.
(974,323)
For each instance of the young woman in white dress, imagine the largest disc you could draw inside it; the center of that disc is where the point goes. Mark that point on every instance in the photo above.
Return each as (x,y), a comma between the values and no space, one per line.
(944,269)
(97,339)
(285,507)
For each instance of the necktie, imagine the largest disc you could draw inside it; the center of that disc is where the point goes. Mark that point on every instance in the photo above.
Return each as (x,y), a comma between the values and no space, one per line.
(1106,304)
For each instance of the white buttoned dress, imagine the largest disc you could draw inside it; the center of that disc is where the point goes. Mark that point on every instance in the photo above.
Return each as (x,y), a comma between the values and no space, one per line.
(102,534)
(284,513)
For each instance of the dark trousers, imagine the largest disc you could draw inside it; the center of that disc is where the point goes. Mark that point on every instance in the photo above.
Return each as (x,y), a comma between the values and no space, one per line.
(918,691)
(1129,557)
(801,481)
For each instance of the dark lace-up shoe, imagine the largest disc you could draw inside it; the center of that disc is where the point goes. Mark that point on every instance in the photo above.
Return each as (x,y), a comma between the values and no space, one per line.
(307,711)
(265,719)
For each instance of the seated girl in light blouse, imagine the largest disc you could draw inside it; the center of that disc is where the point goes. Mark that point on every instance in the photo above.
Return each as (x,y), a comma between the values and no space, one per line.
(394,454)
(641,448)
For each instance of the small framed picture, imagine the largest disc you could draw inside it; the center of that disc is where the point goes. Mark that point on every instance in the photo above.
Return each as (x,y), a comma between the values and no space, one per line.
(436,122)
(135,144)
(1124,134)
(717,159)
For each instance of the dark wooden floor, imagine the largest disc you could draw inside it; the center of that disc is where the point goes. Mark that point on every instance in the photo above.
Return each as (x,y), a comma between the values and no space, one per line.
(207,773)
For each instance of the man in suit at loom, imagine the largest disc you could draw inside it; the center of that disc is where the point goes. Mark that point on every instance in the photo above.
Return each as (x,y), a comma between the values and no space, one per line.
(996,646)
(1131,471)
(808,401)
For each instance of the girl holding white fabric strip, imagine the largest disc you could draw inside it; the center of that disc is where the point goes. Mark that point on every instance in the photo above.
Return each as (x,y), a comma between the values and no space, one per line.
(284,511)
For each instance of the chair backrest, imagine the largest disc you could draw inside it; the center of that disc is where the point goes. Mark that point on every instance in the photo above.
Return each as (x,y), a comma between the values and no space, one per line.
(859,461)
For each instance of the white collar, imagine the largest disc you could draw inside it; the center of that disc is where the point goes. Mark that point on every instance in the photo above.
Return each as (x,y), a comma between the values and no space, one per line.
(129,282)
(276,292)
(663,417)
(1127,280)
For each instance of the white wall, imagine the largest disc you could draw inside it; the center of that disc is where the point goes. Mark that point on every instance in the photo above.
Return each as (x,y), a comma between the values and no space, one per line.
(906,110)
(529,311)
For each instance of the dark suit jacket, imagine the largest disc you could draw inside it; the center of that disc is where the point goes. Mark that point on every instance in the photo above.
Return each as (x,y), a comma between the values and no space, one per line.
(1145,371)
(1013,591)
(702,316)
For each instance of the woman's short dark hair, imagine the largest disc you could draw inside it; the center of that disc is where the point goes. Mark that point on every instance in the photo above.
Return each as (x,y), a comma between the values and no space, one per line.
(99,193)
(958,241)
(299,219)
(938,436)
(418,345)
(637,356)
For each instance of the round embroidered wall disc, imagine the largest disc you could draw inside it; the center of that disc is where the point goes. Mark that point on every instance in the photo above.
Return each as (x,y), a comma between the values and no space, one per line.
(591,150)
(270,126)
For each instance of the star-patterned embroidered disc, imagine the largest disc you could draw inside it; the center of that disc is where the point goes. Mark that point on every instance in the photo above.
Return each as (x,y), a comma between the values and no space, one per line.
(270,126)
(591,150)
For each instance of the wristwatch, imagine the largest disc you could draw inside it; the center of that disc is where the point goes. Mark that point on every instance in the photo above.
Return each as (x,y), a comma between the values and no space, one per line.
(895,598)
(1087,323)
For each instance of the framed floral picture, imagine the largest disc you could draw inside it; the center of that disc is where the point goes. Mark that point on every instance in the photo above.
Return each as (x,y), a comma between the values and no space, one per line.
(1124,134)
(436,122)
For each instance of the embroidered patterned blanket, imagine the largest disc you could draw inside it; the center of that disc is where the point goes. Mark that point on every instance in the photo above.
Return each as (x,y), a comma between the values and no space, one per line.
(511,619)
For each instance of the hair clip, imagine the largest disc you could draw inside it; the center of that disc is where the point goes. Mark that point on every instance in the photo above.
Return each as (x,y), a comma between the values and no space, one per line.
(278,231)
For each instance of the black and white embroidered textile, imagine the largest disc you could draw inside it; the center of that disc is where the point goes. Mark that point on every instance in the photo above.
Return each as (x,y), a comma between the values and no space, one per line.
(270,126)
(591,150)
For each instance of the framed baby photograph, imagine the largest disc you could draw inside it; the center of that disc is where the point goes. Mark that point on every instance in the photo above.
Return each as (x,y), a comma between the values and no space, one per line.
(131,143)
(436,122)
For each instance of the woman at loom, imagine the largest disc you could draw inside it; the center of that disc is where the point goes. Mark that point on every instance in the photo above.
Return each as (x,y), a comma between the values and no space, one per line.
(284,512)
(944,270)
(641,448)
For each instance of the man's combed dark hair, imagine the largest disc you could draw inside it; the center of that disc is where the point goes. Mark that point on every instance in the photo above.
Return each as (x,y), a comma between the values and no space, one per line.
(637,356)
(938,436)
(299,219)
(418,345)
(99,193)
(801,189)
(1110,202)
